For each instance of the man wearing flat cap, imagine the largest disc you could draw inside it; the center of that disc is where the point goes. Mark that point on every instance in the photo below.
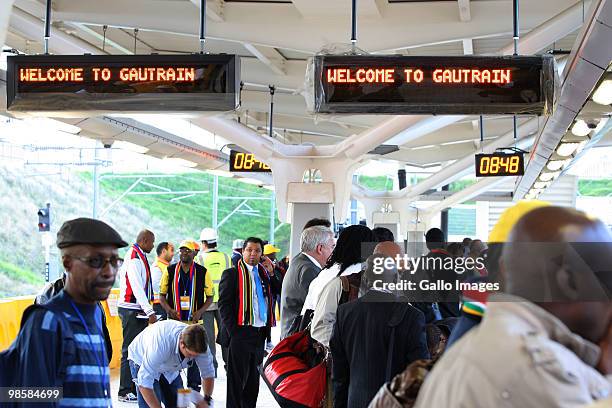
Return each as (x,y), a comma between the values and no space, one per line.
(61,342)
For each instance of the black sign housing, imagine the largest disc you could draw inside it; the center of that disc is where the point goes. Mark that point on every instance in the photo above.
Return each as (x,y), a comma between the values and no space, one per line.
(466,85)
(122,83)
(241,162)
(500,164)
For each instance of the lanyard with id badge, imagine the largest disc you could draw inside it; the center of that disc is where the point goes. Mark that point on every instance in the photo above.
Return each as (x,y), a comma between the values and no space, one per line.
(184,302)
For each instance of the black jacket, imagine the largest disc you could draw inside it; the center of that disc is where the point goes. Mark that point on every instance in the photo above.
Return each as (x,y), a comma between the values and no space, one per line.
(360,345)
(250,337)
(53,288)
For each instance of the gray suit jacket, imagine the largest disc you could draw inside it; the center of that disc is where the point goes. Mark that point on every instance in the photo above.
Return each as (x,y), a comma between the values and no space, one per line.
(301,272)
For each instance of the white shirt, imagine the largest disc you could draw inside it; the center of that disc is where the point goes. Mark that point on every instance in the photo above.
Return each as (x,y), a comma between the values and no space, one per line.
(156,351)
(314,261)
(135,271)
(317,285)
(257,322)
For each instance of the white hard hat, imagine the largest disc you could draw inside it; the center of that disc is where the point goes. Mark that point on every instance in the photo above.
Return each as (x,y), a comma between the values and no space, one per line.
(209,235)
(238,243)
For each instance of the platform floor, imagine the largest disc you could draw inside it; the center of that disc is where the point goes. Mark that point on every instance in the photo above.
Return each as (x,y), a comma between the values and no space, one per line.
(265,399)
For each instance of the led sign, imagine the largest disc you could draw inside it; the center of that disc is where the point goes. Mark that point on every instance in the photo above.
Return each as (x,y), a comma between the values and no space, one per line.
(122,83)
(246,162)
(433,85)
(500,164)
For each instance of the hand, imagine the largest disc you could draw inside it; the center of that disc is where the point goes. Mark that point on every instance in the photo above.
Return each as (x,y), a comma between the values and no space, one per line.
(267,263)
(196,316)
(173,314)
(152,318)
(604,365)
(204,404)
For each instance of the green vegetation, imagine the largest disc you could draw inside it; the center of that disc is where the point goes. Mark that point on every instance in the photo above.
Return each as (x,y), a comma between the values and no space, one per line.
(595,188)
(377,183)
(20,274)
(190,214)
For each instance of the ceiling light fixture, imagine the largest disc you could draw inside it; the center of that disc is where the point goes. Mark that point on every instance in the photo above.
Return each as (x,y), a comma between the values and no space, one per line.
(541,184)
(581,128)
(423,147)
(603,94)
(549,176)
(567,149)
(535,191)
(555,165)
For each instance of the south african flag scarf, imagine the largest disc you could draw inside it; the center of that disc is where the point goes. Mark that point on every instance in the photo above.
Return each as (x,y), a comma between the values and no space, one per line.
(245,295)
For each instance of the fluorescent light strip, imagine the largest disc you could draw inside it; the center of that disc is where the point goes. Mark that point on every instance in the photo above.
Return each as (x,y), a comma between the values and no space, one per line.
(603,94)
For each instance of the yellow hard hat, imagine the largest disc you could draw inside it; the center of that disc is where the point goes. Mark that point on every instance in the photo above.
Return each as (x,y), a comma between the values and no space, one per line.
(188,244)
(510,217)
(270,249)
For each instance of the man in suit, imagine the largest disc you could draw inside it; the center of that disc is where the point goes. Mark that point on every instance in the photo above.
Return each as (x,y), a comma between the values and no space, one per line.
(246,295)
(316,244)
(374,338)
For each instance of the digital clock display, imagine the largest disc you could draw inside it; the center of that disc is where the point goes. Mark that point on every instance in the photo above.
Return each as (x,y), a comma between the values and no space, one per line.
(499,164)
(246,162)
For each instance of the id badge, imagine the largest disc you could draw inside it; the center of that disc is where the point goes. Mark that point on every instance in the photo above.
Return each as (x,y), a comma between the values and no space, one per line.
(185,303)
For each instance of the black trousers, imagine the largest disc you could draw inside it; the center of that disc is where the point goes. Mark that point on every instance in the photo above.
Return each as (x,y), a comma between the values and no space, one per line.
(242,372)
(131,328)
(209,318)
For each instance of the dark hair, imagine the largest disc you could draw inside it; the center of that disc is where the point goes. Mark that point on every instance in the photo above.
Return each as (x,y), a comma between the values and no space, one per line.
(254,240)
(348,247)
(195,339)
(382,234)
(317,221)
(455,249)
(434,238)
(210,245)
(161,247)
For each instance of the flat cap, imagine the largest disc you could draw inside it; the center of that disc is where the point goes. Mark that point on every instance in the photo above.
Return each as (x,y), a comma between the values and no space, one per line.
(88,231)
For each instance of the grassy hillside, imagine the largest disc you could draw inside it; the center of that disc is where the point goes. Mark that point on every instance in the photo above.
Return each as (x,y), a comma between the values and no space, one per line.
(189,215)
(24,190)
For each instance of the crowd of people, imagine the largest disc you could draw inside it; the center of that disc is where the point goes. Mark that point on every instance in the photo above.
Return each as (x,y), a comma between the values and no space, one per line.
(383,348)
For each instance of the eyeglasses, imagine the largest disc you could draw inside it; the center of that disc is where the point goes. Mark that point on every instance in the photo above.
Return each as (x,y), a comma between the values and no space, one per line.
(99,262)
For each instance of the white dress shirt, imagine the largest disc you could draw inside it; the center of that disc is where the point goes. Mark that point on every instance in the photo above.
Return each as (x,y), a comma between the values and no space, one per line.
(156,351)
(134,270)
(314,261)
(257,322)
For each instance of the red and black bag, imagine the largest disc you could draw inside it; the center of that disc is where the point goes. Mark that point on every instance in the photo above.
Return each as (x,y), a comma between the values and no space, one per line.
(295,372)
